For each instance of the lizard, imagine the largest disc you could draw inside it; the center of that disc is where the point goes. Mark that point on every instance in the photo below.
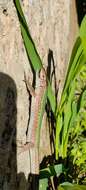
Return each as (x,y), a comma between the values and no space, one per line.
(39,96)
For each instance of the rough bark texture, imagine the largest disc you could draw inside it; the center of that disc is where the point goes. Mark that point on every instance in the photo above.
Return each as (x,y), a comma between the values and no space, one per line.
(49,23)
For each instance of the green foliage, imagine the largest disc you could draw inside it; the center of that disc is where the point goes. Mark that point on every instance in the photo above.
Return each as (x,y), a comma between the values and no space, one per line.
(77,136)
(52,171)
(32,53)
(73,98)
(47,173)
(69,186)
(43,184)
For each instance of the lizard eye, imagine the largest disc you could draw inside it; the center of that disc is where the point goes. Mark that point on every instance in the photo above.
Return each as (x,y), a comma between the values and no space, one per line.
(43,76)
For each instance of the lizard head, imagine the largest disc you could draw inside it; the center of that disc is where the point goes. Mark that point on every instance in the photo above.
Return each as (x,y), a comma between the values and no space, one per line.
(43,78)
(42,74)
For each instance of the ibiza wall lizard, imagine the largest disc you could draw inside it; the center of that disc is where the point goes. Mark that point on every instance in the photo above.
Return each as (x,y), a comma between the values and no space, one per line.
(39,97)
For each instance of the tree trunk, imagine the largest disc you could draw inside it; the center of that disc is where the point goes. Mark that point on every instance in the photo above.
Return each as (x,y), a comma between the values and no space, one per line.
(49,23)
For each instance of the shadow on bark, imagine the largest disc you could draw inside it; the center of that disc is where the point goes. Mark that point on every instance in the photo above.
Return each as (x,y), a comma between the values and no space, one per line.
(9,179)
(8,117)
(31,184)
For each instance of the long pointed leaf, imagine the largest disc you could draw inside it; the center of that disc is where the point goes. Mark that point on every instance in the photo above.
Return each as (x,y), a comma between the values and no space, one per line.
(32,53)
(83,34)
(29,44)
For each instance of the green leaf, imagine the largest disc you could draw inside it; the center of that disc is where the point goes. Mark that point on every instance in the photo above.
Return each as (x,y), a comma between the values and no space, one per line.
(51,98)
(48,172)
(67,119)
(83,99)
(73,70)
(74,114)
(28,42)
(69,186)
(52,171)
(83,33)
(43,184)
(71,73)
(32,53)
(74,51)
(59,123)
(80,64)
(60,188)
